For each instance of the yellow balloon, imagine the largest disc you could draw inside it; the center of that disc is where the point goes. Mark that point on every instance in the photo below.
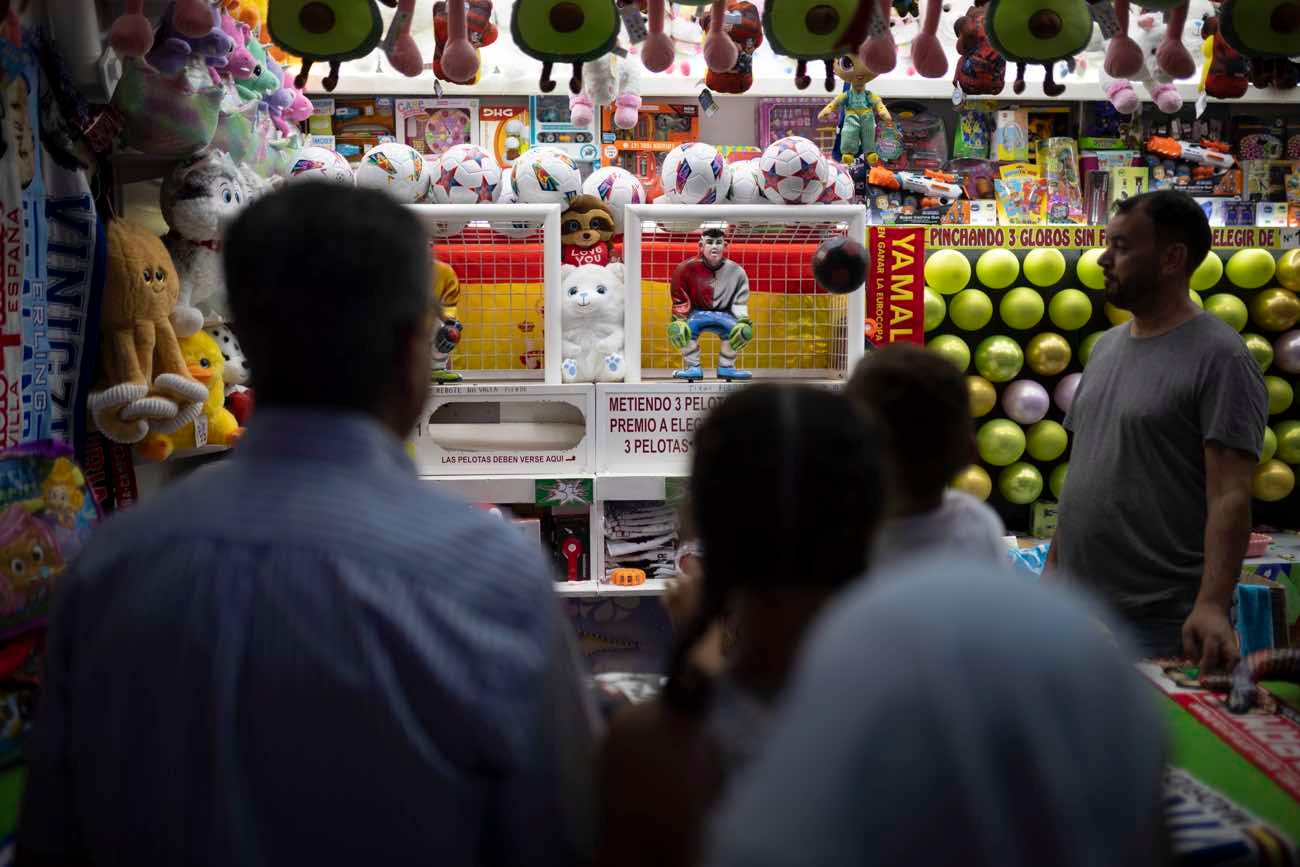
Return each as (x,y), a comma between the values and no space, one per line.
(1273,481)
(1288,270)
(983,396)
(1275,309)
(1116,315)
(1047,354)
(974,481)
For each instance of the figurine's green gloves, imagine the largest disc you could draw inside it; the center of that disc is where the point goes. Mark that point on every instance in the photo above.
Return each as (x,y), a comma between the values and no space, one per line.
(679,334)
(741,333)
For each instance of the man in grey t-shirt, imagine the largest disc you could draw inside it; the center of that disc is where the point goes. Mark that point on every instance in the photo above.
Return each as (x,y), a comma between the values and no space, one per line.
(1168,423)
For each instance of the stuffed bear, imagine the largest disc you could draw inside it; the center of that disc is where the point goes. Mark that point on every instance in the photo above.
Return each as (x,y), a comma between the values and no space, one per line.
(592,323)
(608,80)
(143,379)
(586,227)
(198,196)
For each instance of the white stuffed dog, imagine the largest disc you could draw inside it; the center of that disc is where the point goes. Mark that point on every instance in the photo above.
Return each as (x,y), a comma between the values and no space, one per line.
(591,314)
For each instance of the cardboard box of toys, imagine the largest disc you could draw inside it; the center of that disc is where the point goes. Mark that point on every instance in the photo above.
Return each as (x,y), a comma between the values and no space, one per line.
(551,126)
(433,125)
(661,126)
(356,123)
(505,130)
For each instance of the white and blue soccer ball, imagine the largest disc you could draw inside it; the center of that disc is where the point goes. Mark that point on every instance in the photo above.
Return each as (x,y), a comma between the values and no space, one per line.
(545,175)
(397,169)
(841,188)
(321,164)
(616,187)
(793,171)
(506,196)
(746,184)
(695,173)
(464,174)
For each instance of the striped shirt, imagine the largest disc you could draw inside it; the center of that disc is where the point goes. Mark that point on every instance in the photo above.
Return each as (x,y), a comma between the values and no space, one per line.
(304,655)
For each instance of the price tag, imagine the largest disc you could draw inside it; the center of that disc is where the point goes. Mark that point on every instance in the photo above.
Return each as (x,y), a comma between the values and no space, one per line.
(1202,101)
(633,22)
(1103,12)
(437,88)
(201,431)
(708,103)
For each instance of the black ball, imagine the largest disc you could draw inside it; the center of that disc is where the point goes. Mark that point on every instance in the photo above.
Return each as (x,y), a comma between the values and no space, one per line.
(840,265)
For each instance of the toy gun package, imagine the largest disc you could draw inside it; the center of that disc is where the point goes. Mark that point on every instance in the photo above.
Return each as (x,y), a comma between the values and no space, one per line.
(1204,169)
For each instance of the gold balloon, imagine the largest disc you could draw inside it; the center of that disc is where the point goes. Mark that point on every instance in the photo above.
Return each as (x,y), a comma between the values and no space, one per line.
(1288,270)
(1275,309)
(974,481)
(983,396)
(1273,481)
(1047,354)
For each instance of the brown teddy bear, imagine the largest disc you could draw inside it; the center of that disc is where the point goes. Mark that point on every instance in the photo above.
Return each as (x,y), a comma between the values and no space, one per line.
(144,381)
(585,229)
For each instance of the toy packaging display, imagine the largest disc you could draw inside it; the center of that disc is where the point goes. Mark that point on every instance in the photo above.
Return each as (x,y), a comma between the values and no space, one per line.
(505,130)
(431,126)
(779,118)
(660,127)
(356,123)
(552,125)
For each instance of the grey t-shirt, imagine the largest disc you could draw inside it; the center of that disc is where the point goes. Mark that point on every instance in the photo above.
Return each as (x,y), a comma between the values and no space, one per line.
(962,526)
(1133,513)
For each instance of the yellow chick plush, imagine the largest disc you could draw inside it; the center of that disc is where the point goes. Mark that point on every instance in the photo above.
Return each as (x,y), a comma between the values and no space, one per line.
(216,426)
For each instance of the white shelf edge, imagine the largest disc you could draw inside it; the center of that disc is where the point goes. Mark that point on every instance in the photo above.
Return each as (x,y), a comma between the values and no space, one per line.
(651,587)
(576,588)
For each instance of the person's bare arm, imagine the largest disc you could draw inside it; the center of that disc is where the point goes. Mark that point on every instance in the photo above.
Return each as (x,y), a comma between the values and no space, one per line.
(1207,634)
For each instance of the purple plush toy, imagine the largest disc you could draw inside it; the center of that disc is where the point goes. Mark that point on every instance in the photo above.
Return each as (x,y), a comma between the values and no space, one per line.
(172,50)
(240,64)
(279,101)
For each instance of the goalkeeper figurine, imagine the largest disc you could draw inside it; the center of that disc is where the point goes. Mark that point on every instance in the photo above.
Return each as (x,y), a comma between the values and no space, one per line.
(446,289)
(710,293)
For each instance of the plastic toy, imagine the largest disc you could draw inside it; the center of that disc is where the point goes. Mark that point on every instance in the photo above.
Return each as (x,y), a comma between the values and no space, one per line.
(564,31)
(931,184)
(858,109)
(591,298)
(609,80)
(1039,32)
(743,27)
(1213,155)
(446,290)
(479,30)
(142,378)
(325,31)
(814,30)
(627,577)
(981,71)
(216,426)
(710,293)
(586,228)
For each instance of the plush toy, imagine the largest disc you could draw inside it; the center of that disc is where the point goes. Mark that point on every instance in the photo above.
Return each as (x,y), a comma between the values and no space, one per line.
(572,32)
(1125,57)
(609,80)
(878,53)
(586,227)
(255,186)
(143,379)
(1225,73)
(1122,93)
(1261,28)
(858,109)
(240,65)
(981,71)
(928,55)
(743,26)
(131,34)
(591,316)
(446,291)
(235,373)
(300,108)
(657,51)
(325,31)
(197,197)
(263,82)
(216,426)
(807,32)
(1038,32)
(479,30)
(710,294)
(172,49)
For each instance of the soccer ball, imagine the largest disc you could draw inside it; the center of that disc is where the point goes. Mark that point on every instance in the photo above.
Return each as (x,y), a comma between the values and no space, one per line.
(746,182)
(544,175)
(397,169)
(841,189)
(464,174)
(694,174)
(615,187)
(317,163)
(506,196)
(793,171)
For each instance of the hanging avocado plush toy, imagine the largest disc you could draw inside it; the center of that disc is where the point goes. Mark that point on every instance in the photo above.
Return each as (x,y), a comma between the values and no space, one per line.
(1261,28)
(809,30)
(1038,32)
(564,31)
(326,31)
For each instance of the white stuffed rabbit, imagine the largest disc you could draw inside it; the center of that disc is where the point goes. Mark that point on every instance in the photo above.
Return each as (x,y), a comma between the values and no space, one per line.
(591,316)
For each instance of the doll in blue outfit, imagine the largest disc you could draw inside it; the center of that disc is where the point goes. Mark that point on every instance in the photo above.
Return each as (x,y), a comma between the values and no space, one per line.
(858,108)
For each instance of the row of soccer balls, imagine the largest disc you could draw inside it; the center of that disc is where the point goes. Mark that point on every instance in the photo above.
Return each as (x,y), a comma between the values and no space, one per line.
(791,170)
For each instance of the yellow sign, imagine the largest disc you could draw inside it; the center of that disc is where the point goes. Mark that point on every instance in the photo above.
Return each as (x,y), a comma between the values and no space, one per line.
(1084,237)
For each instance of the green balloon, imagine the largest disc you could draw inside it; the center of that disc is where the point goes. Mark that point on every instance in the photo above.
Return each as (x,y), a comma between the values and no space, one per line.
(1208,273)
(1229,308)
(935,309)
(1086,345)
(952,348)
(997,268)
(1288,442)
(999,358)
(1021,308)
(1280,394)
(1021,483)
(1069,309)
(1046,440)
(1270,446)
(1260,350)
(1000,442)
(970,310)
(1056,481)
(1088,271)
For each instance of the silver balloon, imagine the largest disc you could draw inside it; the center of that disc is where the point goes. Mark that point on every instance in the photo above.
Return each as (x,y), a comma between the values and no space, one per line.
(1286,352)
(1026,401)
(1065,389)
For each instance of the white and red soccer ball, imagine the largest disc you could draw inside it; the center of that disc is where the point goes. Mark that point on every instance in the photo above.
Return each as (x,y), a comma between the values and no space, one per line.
(321,164)
(746,184)
(464,174)
(841,188)
(616,187)
(793,171)
(695,174)
(397,169)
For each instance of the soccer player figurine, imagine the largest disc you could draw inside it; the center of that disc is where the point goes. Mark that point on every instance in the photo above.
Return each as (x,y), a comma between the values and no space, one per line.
(710,293)
(446,288)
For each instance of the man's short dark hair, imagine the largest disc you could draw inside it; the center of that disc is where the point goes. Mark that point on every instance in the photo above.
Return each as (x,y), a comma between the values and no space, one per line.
(1176,218)
(324,283)
(922,406)
(713,232)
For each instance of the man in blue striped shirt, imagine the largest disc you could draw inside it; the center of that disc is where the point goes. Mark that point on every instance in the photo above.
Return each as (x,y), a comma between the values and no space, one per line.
(303,654)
